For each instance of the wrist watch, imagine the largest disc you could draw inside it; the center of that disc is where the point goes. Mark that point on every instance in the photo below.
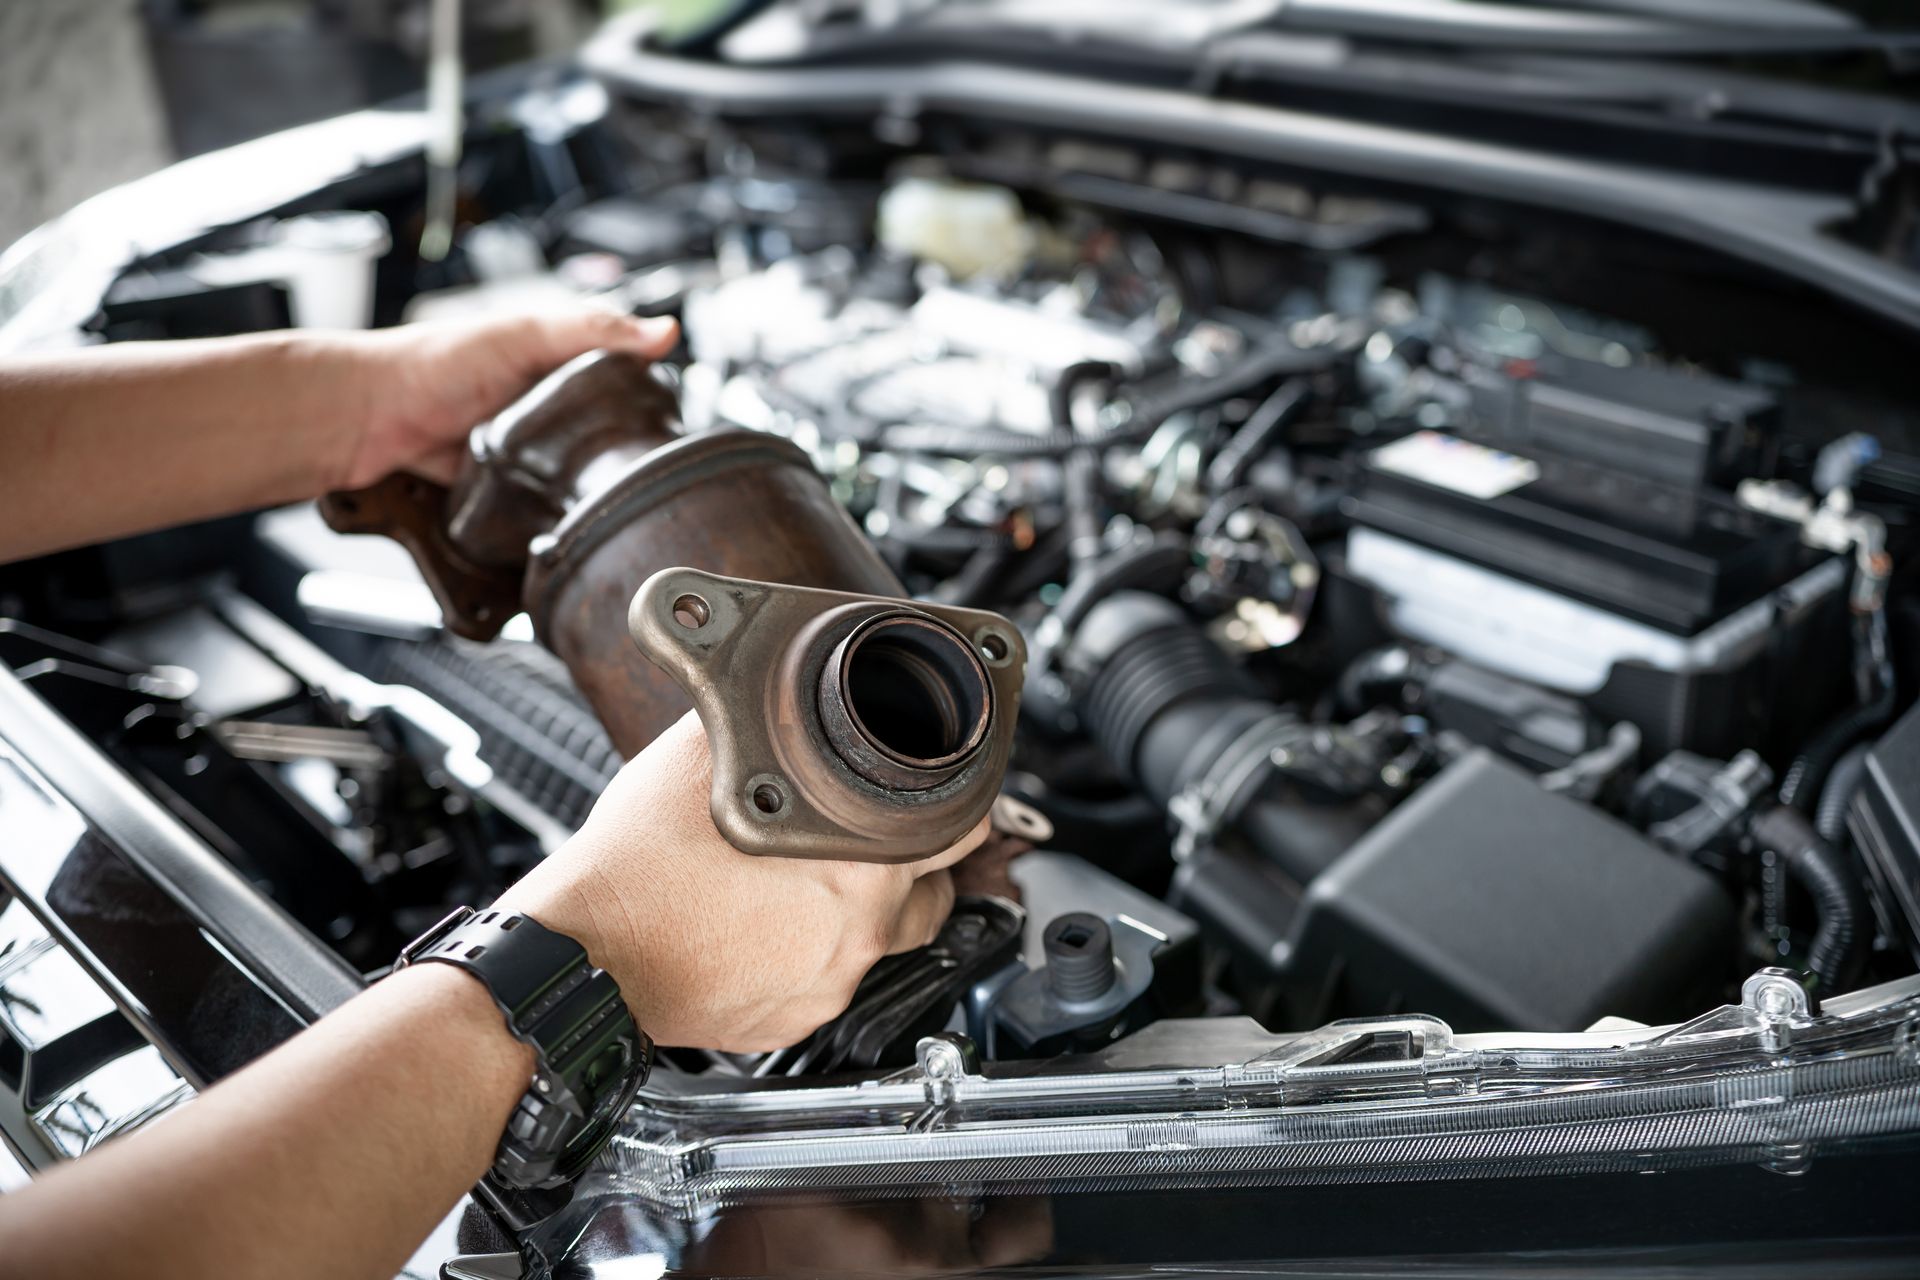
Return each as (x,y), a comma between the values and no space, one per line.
(590,1055)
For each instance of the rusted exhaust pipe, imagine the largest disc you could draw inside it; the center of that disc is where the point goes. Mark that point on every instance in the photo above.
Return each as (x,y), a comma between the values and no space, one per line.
(575,493)
(572,497)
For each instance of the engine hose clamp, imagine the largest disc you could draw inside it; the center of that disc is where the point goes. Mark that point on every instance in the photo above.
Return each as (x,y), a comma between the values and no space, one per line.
(1215,799)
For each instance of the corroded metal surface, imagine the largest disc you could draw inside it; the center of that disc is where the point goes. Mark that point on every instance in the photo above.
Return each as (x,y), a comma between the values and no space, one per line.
(875,728)
(578,491)
(737,503)
(475,599)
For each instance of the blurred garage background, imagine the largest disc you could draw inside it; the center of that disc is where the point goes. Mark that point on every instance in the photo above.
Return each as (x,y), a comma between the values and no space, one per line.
(95,92)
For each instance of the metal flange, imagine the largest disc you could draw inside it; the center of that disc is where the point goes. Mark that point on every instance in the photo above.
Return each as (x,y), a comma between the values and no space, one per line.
(841,726)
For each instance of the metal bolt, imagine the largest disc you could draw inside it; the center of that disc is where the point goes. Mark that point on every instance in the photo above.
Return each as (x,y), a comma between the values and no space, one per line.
(940,1060)
(1776,993)
(946,1057)
(1777,996)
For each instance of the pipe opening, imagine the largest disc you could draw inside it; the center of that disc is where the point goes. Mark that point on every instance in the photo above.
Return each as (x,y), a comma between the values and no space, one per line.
(916,693)
(904,699)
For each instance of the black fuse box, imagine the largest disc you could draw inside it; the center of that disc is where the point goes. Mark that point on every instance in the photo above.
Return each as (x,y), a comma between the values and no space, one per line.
(1495,905)
(1609,486)
(1681,431)
(1678,582)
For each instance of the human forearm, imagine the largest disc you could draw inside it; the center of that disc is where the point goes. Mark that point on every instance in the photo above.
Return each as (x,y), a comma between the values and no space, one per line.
(116,440)
(103,443)
(331,1157)
(334,1155)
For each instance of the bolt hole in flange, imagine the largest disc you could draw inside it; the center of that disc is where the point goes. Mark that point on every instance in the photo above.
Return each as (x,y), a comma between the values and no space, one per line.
(691,612)
(906,700)
(767,796)
(994,647)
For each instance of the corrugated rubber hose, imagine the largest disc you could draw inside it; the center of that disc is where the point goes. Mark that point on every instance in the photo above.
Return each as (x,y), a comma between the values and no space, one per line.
(1841,937)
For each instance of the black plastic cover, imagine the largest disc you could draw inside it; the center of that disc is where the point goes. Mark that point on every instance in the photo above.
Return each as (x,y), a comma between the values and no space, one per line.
(1679,582)
(1678,430)
(1624,496)
(1534,726)
(1884,820)
(1493,904)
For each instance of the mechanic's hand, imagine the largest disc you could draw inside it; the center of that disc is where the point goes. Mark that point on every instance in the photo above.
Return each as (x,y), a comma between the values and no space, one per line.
(428,385)
(712,947)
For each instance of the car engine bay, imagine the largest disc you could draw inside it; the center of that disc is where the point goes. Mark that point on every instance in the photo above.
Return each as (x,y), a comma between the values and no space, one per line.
(1415,620)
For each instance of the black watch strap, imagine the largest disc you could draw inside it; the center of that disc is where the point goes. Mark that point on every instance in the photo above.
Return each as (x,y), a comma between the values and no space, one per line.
(591,1057)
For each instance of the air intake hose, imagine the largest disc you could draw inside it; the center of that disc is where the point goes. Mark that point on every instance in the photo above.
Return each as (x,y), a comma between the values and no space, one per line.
(1170,709)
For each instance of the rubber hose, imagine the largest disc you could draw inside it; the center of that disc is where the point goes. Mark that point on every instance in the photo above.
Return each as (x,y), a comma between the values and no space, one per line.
(1873,668)
(973,585)
(1045,561)
(1166,705)
(1841,937)
(1060,394)
(1149,411)
(1153,661)
(1378,677)
(1830,816)
(947,538)
(1810,768)
(1259,366)
(1157,564)
(1081,484)
(1269,421)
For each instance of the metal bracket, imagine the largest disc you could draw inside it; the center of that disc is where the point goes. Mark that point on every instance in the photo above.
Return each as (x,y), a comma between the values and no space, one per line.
(475,599)
(1210,802)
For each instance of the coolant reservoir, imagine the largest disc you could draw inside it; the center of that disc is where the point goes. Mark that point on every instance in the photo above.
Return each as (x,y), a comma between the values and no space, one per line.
(969,229)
